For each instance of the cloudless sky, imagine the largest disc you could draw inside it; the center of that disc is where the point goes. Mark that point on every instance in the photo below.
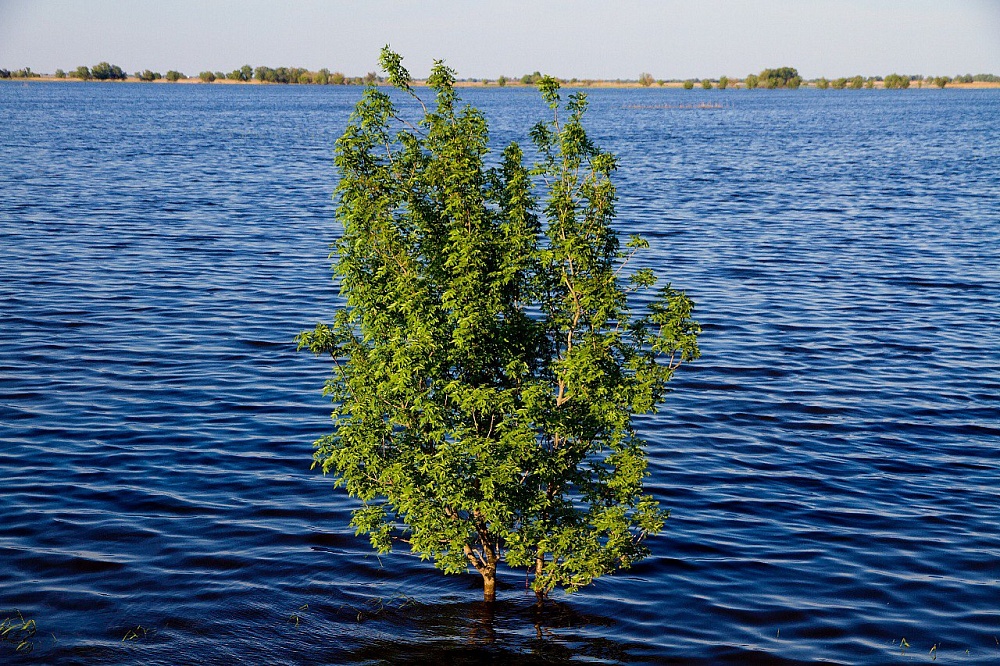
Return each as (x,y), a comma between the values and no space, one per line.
(481,39)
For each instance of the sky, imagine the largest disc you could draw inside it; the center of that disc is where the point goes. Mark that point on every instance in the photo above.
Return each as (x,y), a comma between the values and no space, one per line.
(671,39)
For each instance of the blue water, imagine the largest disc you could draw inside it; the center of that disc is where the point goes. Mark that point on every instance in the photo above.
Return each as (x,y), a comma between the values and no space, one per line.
(831,463)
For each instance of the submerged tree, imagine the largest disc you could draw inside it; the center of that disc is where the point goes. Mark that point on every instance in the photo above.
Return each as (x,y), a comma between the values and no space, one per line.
(487,364)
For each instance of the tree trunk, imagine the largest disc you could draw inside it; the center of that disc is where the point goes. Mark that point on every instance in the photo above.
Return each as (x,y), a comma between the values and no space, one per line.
(490,584)
(539,568)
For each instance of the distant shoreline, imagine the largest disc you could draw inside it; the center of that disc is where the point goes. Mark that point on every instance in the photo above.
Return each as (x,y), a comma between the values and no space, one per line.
(733,85)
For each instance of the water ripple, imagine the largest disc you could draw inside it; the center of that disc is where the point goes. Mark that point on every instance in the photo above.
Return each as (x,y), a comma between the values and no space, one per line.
(830,464)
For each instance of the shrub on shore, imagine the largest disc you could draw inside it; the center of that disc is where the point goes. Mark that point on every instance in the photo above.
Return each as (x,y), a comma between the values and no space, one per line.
(105,71)
(896,82)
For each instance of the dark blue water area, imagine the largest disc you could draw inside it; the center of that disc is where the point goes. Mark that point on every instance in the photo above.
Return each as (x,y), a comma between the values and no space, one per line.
(831,463)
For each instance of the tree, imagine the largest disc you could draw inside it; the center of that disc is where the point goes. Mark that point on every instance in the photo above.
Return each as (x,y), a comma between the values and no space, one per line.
(337,78)
(782,77)
(751,81)
(82,72)
(323,76)
(501,80)
(147,75)
(646,79)
(173,76)
(688,84)
(723,82)
(941,81)
(207,77)
(838,84)
(822,83)
(896,81)
(104,71)
(5,73)
(487,363)
(59,74)
(706,84)
(857,82)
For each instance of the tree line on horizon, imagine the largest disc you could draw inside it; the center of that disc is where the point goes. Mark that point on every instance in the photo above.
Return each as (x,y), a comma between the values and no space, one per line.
(778,78)
(105,71)
(788,77)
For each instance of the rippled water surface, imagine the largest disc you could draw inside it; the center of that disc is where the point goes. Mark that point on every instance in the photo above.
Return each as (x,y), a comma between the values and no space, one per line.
(831,462)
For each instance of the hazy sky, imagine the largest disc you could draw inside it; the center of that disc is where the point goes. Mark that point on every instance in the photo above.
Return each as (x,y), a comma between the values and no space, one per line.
(582,38)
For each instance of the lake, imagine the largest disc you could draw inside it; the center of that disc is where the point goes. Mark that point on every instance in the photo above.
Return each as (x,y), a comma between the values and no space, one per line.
(832,463)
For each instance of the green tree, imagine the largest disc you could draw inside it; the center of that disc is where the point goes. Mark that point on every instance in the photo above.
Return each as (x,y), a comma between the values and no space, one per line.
(501,80)
(688,84)
(822,83)
(207,77)
(59,74)
(782,77)
(147,75)
(838,84)
(487,363)
(173,76)
(751,81)
(870,82)
(857,82)
(104,71)
(646,79)
(323,76)
(706,84)
(941,81)
(723,82)
(896,81)
(337,78)
(82,72)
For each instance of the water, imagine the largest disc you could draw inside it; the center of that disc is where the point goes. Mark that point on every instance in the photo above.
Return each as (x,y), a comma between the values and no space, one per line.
(830,463)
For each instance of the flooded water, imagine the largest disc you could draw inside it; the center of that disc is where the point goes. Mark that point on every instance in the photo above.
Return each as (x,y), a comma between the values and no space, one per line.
(831,463)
